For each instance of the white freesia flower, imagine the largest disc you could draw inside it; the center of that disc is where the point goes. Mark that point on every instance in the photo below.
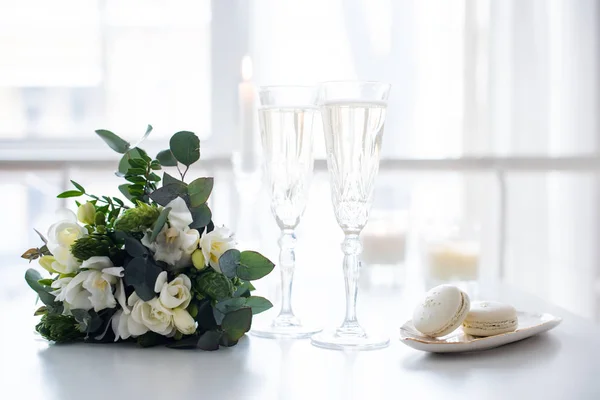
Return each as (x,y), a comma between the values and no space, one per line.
(61,237)
(214,244)
(92,288)
(124,326)
(183,321)
(151,314)
(175,243)
(175,293)
(59,285)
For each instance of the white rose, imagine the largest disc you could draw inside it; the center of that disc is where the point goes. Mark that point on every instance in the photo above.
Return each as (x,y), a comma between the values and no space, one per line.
(175,243)
(175,293)
(214,244)
(184,321)
(92,288)
(151,314)
(61,236)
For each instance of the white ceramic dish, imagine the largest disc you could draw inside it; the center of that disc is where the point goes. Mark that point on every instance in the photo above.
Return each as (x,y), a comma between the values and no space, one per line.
(530,324)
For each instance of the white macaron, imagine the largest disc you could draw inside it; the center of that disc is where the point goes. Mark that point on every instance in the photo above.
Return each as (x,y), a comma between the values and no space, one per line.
(441,311)
(488,318)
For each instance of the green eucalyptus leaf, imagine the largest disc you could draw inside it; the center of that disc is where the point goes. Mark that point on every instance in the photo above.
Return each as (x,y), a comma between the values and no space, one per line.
(237,323)
(160,222)
(228,305)
(155,165)
(205,316)
(32,277)
(135,248)
(185,147)
(113,141)
(227,341)
(258,304)
(69,193)
(166,194)
(229,262)
(201,216)
(200,190)
(209,340)
(166,158)
(253,265)
(244,290)
(141,274)
(168,179)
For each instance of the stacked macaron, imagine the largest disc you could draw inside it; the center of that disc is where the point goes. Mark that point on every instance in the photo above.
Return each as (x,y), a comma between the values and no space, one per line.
(446,307)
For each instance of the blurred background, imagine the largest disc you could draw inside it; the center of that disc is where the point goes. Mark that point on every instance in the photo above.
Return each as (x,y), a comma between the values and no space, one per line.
(491,151)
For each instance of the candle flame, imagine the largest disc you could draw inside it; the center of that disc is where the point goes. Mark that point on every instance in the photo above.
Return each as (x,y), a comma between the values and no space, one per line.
(246,68)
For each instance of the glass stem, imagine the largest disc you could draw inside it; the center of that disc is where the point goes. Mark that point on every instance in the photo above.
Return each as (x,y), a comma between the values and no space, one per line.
(287,264)
(351,247)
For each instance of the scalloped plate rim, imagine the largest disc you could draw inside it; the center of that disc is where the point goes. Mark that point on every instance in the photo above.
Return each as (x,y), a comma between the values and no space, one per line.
(435,345)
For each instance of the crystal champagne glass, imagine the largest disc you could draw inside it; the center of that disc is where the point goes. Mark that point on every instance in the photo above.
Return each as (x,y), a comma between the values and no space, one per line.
(353,116)
(286,117)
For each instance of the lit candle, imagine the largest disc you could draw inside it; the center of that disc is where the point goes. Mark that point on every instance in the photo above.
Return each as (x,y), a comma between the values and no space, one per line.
(453,260)
(247,141)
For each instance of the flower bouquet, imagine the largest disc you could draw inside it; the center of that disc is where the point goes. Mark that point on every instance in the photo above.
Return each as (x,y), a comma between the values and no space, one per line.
(157,271)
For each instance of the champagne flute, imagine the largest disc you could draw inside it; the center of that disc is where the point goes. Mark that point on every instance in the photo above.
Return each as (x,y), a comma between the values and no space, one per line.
(286,117)
(353,116)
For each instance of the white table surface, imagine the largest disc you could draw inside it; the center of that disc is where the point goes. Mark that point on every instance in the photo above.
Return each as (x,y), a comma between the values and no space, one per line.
(561,364)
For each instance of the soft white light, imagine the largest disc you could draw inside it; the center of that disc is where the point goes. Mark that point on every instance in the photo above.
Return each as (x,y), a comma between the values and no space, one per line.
(246,68)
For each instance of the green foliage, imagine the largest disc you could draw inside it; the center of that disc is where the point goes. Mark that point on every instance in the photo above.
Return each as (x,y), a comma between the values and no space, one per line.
(137,219)
(229,262)
(168,179)
(258,304)
(78,186)
(70,193)
(113,141)
(166,158)
(92,245)
(214,285)
(151,339)
(247,265)
(33,278)
(201,216)
(185,147)
(160,222)
(237,323)
(170,192)
(141,273)
(253,265)
(136,167)
(88,321)
(199,190)
(59,328)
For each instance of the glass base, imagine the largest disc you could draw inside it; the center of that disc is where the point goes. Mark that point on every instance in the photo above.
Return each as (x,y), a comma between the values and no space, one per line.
(284,328)
(341,339)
